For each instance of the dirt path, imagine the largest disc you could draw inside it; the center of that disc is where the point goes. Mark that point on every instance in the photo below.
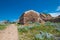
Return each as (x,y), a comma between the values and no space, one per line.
(10,33)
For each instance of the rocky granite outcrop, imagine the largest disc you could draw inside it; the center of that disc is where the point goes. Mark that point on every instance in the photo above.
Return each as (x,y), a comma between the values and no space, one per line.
(32,16)
(55,19)
(45,17)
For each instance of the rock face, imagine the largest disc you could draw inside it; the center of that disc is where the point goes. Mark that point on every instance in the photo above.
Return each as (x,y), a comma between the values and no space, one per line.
(45,17)
(56,19)
(33,16)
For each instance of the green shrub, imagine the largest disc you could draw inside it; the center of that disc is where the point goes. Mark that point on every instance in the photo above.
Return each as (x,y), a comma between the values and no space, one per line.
(43,36)
(23,29)
(48,23)
(2,27)
(47,30)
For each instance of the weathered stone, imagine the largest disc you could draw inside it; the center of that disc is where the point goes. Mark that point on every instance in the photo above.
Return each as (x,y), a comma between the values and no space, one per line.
(33,16)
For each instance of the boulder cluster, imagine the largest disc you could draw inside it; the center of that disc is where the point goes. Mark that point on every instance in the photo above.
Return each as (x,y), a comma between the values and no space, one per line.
(32,16)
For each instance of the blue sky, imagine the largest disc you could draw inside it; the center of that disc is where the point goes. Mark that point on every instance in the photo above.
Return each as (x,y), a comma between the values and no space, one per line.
(13,9)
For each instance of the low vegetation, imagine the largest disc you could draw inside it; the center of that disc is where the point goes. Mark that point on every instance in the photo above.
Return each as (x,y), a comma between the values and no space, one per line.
(37,31)
(2,26)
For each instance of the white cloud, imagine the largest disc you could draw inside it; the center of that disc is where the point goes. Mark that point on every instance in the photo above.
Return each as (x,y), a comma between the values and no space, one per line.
(58,8)
(54,14)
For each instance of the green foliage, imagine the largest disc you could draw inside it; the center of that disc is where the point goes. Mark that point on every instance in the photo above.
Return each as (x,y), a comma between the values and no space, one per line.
(24,29)
(48,23)
(2,27)
(43,36)
(33,32)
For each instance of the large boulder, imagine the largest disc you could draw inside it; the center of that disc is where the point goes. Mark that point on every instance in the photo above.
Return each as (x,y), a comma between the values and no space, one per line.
(30,16)
(45,17)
